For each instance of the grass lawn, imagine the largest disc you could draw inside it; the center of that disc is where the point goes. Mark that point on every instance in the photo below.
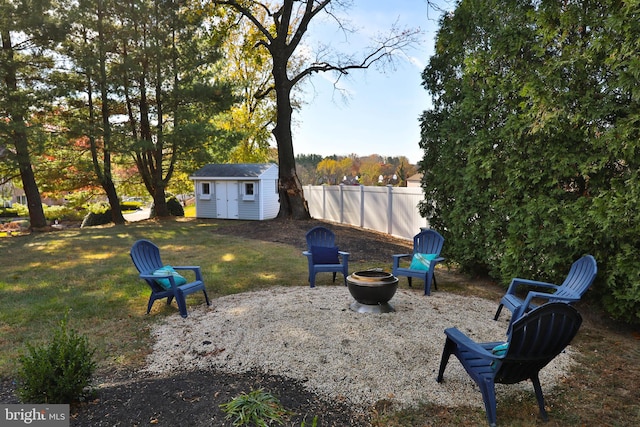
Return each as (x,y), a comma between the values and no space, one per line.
(89,273)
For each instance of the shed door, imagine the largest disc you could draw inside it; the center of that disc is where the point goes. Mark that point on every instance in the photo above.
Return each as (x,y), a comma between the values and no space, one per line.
(227,199)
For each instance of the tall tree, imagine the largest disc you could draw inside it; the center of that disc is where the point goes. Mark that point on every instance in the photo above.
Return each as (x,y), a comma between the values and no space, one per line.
(169,89)
(88,49)
(28,30)
(282,25)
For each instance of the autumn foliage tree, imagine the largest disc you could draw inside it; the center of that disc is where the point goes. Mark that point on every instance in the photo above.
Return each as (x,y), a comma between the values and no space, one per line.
(282,26)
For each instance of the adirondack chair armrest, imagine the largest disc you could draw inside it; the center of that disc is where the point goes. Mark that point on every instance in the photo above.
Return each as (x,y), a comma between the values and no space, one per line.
(401,255)
(398,257)
(151,276)
(344,255)
(481,349)
(194,268)
(515,283)
(549,296)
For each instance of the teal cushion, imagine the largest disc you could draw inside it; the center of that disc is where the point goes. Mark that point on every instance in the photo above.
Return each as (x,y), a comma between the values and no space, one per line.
(325,255)
(422,261)
(166,271)
(499,350)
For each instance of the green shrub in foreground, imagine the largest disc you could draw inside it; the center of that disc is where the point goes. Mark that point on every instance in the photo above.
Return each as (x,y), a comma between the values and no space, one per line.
(59,372)
(256,408)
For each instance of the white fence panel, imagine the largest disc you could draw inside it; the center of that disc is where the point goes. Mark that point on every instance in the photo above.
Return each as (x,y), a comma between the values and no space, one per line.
(376,209)
(391,210)
(315,201)
(406,219)
(332,208)
(351,204)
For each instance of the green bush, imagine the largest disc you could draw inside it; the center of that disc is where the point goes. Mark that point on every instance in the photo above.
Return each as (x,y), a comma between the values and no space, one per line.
(99,214)
(130,206)
(257,408)
(63,213)
(59,372)
(17,210)
(8,212)
(173,205)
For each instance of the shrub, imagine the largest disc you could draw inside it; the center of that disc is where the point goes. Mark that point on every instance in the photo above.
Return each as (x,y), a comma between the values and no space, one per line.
(173,205)
(99,214)
(17,210)
(257,408)
(63,213)
(59,372)
(8,212)
(130,205)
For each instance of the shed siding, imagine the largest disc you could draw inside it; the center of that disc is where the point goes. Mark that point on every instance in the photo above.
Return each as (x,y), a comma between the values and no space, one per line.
(205,207)
(270,199)
(249,210)
(265,203)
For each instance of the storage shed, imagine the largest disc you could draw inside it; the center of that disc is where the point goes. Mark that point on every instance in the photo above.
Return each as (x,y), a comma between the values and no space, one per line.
(237,191)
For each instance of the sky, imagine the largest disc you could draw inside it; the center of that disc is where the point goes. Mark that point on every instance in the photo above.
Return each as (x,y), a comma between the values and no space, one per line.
(382,109)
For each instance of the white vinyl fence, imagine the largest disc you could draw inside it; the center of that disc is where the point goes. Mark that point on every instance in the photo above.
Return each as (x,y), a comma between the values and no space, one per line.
(391,210)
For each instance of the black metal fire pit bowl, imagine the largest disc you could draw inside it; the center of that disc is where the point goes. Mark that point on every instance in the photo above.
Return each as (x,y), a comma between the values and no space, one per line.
(372,291)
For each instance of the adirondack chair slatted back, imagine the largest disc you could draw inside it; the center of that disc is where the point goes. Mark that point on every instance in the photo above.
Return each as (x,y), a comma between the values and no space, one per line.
(536,339)
(428,242)
(320,236)
(146,256)
(580,277)
(425,242)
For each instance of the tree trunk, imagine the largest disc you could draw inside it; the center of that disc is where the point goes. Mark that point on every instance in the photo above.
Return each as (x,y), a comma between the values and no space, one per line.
(19,136)
(106,178)
(292,202)
(160,202)
(34,202)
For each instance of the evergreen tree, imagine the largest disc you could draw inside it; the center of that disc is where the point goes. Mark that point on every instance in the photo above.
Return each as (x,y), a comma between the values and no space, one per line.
(28,32)
(530,153)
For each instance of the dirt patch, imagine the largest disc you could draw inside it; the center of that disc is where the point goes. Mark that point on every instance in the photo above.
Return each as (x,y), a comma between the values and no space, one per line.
(363,245)
(194,398)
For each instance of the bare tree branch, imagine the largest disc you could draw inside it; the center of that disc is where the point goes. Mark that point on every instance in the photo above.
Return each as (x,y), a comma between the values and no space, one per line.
(247,13)
(395,42)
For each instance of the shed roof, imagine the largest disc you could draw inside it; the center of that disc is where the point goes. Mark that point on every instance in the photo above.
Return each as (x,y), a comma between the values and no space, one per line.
(241,170)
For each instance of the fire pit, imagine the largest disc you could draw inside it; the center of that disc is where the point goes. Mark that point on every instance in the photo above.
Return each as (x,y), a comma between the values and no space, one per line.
(372,290)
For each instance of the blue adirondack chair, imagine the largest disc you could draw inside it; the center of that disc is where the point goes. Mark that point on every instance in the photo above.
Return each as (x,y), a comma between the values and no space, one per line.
(580,277)
(427,244)
(324,256)
(165,283)
(535,340)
